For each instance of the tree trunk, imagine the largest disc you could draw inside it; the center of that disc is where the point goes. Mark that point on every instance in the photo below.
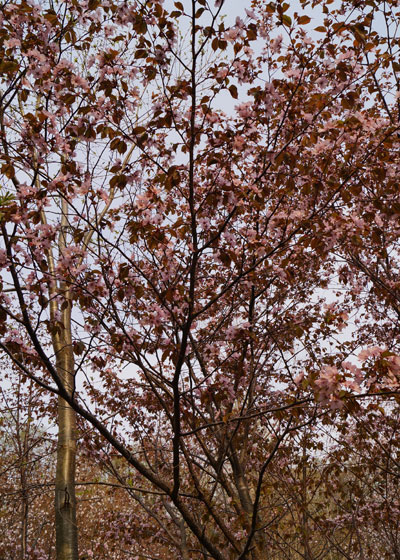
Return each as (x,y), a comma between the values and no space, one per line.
(304,504)
(65,500)
(24,524)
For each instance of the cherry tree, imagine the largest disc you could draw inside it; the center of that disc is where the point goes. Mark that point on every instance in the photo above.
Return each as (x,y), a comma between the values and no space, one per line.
(168,263)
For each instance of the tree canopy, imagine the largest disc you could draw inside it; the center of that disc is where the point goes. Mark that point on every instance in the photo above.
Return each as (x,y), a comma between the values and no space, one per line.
(199,259)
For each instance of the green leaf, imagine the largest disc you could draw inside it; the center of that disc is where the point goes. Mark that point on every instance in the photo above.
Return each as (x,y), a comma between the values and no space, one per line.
(6,198)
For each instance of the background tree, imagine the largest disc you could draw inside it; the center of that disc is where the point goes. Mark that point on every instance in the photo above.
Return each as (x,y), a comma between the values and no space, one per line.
(26,466)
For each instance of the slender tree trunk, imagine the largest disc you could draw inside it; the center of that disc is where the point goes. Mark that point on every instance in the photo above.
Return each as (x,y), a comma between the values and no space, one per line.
(184,547)
(23,434)
(65,500)
(304,505)
(24,490)
(24,524)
